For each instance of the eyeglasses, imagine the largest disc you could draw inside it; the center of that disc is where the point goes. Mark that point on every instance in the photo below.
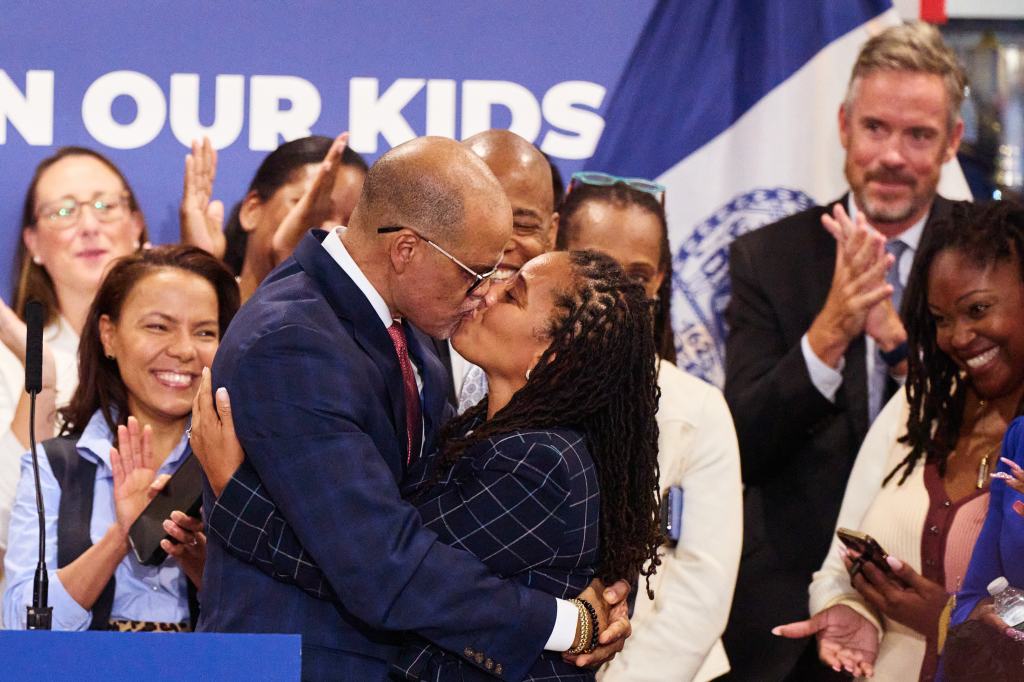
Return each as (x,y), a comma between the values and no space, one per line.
(478,278)
(64,213)
(600,179)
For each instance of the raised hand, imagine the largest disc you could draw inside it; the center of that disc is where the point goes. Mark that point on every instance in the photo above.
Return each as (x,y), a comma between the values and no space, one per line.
(135,479)
(846,640)
(858,285)
(315,208)
(212,437)
(202,218)
(883,322)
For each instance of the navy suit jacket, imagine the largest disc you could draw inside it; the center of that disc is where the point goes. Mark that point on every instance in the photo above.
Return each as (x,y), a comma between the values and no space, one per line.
(318,406)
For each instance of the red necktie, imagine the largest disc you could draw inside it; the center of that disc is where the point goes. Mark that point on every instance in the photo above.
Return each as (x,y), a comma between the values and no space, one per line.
(413,421)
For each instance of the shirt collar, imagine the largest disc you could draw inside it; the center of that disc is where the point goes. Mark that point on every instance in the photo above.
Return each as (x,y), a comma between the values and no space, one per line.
(910,236)
(336,248)
(97,439)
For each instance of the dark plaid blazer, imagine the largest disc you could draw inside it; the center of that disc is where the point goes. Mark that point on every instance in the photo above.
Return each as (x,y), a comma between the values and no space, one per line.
(527,504)
(319,407)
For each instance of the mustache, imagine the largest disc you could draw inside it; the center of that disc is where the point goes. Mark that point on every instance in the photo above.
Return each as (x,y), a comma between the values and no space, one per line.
(892,177)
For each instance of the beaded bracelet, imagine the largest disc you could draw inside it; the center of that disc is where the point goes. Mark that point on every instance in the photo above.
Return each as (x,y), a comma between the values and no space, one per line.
(586,627)
(596,624)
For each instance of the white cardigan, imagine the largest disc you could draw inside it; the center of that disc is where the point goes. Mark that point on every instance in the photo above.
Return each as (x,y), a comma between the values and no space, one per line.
(677,636)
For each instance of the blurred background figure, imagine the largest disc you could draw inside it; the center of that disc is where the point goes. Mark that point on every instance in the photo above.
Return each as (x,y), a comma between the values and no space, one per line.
(79,215)
(676,634)
(309,182)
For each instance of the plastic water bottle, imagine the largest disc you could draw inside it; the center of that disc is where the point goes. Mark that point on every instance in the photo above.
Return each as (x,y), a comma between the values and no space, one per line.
(1009,602)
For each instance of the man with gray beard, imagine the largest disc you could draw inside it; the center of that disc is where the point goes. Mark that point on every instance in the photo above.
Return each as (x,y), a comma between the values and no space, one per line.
(816,344)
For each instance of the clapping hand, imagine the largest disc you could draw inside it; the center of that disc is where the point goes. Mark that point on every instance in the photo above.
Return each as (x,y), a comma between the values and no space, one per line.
(858,286)
(1014,479)
(134,468)
(202,218)
(846,640)
(905,595)
(882,323)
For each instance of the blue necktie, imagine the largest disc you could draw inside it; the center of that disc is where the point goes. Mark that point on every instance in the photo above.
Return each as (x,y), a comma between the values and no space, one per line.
(880,377)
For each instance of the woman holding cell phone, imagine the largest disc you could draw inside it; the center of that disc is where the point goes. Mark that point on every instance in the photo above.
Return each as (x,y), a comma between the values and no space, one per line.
(920,485)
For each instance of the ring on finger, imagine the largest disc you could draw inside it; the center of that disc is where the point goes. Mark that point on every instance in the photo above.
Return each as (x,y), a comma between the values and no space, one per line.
(194,542)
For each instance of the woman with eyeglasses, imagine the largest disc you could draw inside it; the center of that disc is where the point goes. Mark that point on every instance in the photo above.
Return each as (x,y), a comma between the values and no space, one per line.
(79,216)
(675,635)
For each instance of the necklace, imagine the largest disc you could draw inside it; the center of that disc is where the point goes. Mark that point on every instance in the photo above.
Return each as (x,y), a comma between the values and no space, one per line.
(984,467)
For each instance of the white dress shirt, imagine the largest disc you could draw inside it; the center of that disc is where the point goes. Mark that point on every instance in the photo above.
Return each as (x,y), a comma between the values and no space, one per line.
(564,632)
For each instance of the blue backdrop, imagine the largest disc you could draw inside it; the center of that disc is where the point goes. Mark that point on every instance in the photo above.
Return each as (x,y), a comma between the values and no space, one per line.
(122,77)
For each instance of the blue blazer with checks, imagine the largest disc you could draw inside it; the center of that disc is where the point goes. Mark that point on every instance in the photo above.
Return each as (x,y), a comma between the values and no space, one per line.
(319,408)
(527,504)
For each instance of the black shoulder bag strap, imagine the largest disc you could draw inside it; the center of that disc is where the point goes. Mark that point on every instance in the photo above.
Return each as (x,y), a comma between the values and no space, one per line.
(77,479)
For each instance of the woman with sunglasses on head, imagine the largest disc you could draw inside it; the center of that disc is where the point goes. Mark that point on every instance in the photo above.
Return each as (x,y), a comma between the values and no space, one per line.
(676,635)
(920,484)
(558,463)
(79,215)
(155,323)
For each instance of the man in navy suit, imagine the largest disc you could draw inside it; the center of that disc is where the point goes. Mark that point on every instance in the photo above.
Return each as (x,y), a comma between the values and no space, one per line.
(329,417)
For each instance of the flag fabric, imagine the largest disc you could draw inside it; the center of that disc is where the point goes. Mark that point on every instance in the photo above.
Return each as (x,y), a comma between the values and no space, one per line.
(733,106)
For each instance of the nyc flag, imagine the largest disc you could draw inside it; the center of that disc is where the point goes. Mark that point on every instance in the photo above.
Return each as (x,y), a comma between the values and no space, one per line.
(733,106)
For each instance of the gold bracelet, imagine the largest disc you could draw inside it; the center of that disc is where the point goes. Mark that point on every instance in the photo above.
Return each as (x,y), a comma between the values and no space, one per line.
(583,625)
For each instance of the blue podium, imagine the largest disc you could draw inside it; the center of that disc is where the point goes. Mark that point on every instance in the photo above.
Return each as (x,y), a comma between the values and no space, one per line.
(148,657)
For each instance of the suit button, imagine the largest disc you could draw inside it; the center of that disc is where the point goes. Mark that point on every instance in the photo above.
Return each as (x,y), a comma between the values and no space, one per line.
(467,652)
(934,530)
(479,658)
(498,669)
(489,664)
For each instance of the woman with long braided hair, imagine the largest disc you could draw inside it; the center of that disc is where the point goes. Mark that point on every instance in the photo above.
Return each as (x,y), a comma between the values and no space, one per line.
(697,450)
(550,480)
(920,485)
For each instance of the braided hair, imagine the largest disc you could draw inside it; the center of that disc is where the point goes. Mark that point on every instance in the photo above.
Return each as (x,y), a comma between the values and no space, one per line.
(936,387)
(621,195)
(598,376)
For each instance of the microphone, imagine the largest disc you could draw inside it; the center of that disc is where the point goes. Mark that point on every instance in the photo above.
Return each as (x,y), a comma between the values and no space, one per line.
(40,615)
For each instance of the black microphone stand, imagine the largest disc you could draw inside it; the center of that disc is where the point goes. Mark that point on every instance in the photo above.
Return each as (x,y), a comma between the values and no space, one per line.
(40,614)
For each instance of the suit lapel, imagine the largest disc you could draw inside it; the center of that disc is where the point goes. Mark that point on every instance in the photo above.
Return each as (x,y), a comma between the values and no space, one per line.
(352,308)
(435,382)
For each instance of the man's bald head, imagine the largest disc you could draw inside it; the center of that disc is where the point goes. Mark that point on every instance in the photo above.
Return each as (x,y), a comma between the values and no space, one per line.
(525,175)
(431,184)
(513,159)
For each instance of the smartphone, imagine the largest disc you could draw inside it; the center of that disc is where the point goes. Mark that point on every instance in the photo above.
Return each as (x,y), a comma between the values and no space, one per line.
(865,547)
(184,492)
(672,514)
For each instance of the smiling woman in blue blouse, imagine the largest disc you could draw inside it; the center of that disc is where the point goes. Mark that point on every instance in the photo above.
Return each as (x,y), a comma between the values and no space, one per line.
(155,323)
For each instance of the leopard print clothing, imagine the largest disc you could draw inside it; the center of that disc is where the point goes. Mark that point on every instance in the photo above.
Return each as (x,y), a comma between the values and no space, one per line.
(148,626)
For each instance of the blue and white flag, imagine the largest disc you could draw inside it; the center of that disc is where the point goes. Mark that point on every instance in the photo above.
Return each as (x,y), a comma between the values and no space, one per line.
(733,105)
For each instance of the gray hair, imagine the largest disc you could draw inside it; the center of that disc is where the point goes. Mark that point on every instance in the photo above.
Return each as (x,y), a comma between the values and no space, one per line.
(916,47)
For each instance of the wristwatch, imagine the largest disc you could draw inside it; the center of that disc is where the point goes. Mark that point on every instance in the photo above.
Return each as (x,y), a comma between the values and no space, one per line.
(896,355)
